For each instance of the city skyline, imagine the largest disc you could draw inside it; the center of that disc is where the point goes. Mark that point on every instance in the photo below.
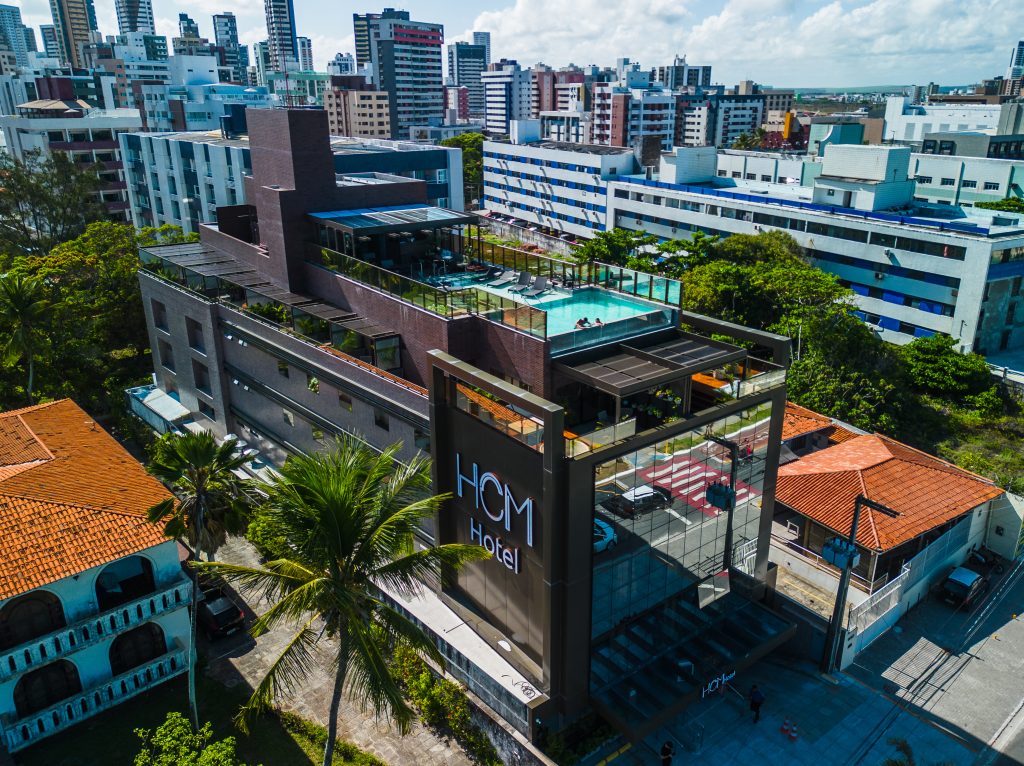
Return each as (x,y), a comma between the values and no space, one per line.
(802,43)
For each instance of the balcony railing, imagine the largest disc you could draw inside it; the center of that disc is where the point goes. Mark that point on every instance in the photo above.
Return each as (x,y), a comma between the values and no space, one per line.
(93,629)
(19,734)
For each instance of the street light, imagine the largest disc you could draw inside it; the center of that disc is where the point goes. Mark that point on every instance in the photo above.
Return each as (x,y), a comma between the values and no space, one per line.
(724,497)
(843,554)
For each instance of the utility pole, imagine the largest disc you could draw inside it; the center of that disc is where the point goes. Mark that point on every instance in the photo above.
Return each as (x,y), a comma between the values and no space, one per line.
(843,554)
(725,497)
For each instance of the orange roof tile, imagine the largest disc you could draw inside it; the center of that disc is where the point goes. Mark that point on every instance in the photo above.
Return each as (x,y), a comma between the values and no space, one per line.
(71,497)
(925,491)
(798,421)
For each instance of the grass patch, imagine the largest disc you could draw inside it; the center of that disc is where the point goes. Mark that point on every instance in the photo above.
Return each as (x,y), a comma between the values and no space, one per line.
(109,739)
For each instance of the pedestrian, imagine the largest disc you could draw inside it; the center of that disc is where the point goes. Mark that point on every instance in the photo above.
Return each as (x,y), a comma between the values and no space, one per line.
(667,751)
(756,700)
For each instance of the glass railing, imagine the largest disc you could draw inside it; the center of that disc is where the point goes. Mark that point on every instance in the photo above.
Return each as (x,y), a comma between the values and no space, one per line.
(445,302)
(630,327)
(649,286)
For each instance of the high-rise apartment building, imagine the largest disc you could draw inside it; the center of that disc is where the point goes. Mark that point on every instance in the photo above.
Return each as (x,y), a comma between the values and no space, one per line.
(31,46)
(305,54)
(342,64)
(356,108)
(679,74)
(261,61)
(1016,68)
(544,93)
(51,41)
(484,39)
(187,26)
(135,16)
(466,62)
(404,57)
(506,95)
(12,28)
(225,33)
(75,23)
(281,33)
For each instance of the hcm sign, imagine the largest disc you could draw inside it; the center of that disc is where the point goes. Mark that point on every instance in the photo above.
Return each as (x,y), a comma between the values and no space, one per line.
(494,498)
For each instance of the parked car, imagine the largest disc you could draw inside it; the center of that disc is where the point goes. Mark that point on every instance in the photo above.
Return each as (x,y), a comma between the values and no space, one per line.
(984,560)
(605,536)
(637,500)
(219,614)
(962,587)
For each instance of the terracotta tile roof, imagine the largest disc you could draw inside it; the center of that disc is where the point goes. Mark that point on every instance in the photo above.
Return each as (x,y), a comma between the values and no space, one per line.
(71,497)
(799,421)
(925,491)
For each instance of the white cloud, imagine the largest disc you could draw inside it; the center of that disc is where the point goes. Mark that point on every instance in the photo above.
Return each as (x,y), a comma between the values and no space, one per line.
(784,42)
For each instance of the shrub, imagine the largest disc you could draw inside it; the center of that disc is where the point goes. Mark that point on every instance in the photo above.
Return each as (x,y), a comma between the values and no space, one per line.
(442,704)
(316,734)
(265,535)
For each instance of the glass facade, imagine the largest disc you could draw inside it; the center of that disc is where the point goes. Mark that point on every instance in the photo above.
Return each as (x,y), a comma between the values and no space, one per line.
(664,623)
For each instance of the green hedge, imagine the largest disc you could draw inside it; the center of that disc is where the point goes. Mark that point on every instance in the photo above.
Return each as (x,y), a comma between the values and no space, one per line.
(317,736)
(442,704)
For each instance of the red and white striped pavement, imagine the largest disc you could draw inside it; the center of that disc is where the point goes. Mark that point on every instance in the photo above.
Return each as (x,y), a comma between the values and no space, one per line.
(688,479)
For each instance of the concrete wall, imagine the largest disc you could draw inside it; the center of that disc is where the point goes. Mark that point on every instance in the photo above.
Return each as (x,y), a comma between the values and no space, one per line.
(518,233)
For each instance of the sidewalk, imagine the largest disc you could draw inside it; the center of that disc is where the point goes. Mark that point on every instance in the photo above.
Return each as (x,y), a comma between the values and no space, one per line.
(841,725)
(246,664)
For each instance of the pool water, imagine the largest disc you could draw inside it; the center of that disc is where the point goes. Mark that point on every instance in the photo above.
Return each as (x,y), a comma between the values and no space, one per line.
(592,303)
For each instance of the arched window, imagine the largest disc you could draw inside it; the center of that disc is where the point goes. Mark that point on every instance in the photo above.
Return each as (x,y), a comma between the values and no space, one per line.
(46,686)
(124,580)
(136,647)
(29,616)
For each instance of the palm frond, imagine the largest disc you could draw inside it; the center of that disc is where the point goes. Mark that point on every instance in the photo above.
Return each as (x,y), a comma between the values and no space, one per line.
(294,664)
(406,573)
(269,581)
(369,680)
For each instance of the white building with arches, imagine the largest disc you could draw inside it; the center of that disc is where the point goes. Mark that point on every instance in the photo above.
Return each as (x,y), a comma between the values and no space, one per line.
(93,598)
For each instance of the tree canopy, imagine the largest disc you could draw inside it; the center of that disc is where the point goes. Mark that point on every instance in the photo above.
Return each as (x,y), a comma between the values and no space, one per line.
(1008,205)
(174,744)
(45,200)
(472,146)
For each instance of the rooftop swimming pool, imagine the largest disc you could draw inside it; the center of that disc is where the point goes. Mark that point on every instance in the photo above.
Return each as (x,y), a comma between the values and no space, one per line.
(592,303)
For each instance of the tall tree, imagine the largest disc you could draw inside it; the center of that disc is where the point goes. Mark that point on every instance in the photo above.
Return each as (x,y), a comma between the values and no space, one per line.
(45,200)
(616,247)
(24,314)
(472,146)
(349,516)
(206,507)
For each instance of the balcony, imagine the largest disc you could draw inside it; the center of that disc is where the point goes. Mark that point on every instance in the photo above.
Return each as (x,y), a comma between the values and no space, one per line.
(20,733)
(93,629)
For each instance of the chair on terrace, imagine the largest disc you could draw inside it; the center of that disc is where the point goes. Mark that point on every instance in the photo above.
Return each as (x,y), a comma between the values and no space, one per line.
(523,283)
(492,273)
(506,278)
(540,286)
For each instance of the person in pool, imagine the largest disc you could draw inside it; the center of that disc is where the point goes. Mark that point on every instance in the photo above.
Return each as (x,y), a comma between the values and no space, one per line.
(598,322)
(580,323)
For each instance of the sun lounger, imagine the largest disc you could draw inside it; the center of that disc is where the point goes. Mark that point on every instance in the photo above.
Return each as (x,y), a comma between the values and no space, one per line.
(506,278)
(540,286)
(523,283)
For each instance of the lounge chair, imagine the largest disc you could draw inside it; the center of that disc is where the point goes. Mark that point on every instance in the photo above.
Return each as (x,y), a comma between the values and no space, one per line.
(506,278)
(539,286)
(523,283)
(492,273)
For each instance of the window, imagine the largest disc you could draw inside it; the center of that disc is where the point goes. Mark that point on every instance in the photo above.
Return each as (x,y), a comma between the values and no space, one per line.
(282,369)
(949,182)
(318,433)
(345,401)
(201,377)
(159,314)
(206,410)
(1004,340)
(422,440)
(765,177)
(751,176)
(830,192)
(991,186)
(735,174)
(1015,286)
(289,418)
(195,335)
(969,184)
(312,383)
(1010,312)
(923,179)
(380,419)
(166,354)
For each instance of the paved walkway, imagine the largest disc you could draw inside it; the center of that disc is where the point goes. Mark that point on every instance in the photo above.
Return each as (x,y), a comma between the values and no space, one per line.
(240,659)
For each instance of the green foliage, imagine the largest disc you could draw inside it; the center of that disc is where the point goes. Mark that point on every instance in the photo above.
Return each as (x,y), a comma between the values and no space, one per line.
(578,739)
(442,704)
(751,141)
(472,146)
(935,366)
(316,734)
(25,315)
(275,312)
(44,201)
(267,536)
(1008,205)
(616,248)
(96,343)
(174,744)
(349,515)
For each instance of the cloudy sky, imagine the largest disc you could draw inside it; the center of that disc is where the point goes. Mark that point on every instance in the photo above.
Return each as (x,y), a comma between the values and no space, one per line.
(776,42)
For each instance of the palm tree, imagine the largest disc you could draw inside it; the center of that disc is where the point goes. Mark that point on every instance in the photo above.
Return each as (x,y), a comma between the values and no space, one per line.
(349,516)
(24,312)
(906,754)
(207,507)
